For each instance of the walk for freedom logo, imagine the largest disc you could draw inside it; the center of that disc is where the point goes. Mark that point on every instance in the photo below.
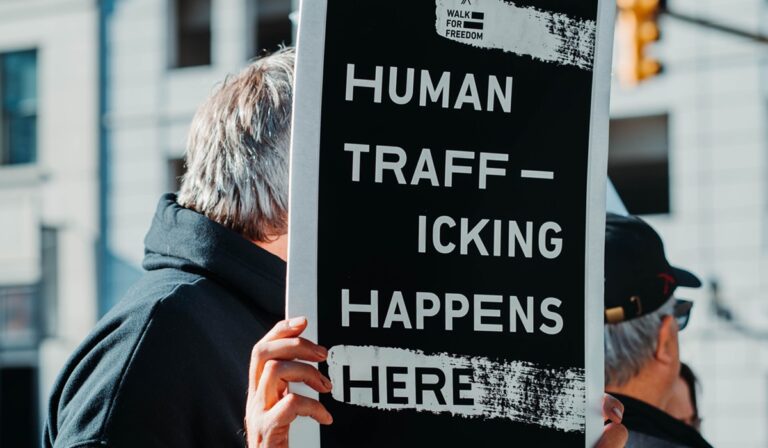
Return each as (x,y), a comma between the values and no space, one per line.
(464,24)
(526,31)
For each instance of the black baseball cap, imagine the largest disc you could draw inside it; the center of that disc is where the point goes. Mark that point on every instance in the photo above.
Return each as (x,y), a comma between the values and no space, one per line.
(638,277)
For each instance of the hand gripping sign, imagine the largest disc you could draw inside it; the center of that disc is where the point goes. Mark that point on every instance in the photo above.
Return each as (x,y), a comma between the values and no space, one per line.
(447,213)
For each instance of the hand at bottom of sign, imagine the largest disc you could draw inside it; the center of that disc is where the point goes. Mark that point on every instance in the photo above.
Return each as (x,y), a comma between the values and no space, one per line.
(270,408)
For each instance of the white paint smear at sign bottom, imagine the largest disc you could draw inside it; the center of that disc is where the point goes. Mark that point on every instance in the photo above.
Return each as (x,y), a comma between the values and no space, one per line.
(547,36)
(471,387)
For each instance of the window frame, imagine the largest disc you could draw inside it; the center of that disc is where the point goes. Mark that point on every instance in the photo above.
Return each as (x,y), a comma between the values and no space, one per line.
(629,161)
(6,150)
(174,38)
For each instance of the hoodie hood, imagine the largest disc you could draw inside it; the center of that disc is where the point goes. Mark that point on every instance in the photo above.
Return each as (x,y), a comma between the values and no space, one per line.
(183,239)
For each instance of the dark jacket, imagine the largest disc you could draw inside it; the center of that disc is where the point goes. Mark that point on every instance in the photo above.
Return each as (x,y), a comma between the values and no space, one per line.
(168,365)
(650,427)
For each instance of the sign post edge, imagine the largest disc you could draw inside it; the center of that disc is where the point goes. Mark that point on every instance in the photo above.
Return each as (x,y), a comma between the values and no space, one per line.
(595,228)
(301,283)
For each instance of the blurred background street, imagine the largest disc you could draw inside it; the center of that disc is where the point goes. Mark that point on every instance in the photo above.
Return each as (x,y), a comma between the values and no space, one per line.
(96,98)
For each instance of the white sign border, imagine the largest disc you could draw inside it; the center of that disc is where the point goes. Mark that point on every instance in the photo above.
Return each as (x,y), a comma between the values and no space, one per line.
(303,196)
(595,232)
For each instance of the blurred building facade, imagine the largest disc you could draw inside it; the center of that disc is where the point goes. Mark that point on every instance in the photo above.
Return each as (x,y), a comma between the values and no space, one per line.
(155,80)
(48,199)
(689,149)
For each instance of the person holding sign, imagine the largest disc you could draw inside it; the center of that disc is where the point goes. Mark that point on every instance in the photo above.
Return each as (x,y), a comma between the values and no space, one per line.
(271,408)
(169,365)
(642,321)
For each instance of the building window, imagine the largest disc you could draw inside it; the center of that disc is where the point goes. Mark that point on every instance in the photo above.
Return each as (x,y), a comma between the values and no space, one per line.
(18,317)
(272,25)
(638,163)
(191,33)
(18,107)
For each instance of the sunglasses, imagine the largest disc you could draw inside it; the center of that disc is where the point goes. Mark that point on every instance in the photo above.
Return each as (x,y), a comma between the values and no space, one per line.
(682,312)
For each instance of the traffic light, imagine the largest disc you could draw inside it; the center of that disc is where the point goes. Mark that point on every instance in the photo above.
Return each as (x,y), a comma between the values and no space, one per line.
(637,28)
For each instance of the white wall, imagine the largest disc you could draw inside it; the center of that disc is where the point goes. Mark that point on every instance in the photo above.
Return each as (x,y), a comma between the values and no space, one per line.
(714,90)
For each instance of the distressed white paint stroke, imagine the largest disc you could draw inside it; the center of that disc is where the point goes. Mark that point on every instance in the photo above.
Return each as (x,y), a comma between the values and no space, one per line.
(546,36)
(518,391)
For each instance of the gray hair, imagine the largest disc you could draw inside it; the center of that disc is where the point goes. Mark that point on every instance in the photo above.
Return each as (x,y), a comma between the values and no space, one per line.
(237,150)
(630,345)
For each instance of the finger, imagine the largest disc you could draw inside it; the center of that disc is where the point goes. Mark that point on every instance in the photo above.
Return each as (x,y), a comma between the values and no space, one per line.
(294,405)
(287,328)
(280,373)
(613,410)
(283,349)
(292,348)
(284,329)
(614,436)
(277,374)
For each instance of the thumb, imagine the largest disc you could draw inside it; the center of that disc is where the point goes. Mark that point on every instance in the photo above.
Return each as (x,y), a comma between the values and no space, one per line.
(615,435)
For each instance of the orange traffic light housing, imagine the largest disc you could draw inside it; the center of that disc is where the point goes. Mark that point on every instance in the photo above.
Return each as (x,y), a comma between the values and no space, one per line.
(637,28)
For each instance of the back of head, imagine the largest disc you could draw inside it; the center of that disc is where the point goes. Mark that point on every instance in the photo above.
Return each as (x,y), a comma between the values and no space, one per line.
(639,293)
(630,345)
(238,150)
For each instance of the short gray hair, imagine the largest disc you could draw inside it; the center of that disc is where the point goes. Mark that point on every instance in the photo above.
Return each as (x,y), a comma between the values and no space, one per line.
(237,150)
(630,345)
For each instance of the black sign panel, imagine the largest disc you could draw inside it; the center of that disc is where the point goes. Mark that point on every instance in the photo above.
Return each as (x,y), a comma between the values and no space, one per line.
(447,210)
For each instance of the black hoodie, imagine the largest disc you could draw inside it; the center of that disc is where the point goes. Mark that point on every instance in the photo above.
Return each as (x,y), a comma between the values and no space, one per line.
(168,365)
(650,427)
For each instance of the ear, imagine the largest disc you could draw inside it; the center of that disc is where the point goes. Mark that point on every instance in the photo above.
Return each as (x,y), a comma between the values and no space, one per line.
(666,348)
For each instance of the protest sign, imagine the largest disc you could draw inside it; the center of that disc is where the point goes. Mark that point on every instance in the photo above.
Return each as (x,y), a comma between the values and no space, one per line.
(446,218)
